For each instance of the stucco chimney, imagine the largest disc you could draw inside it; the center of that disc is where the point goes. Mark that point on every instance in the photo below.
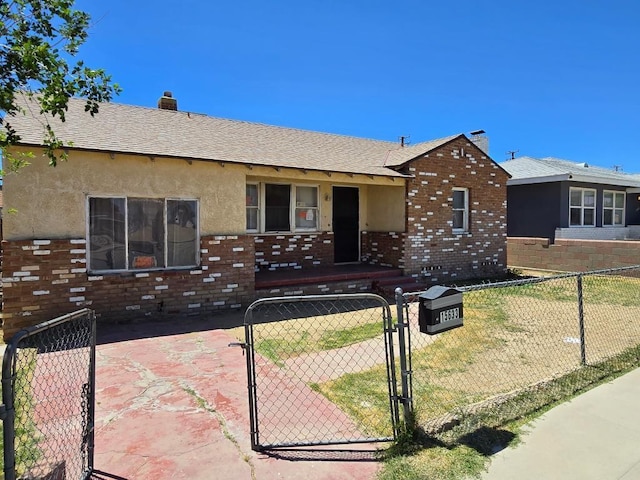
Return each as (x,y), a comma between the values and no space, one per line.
(167,102)
(481,140)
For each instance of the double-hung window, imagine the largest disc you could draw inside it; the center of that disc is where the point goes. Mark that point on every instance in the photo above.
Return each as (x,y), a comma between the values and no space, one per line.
(128,233)
(582,207)
(613,208)
(275,207)
(460,210)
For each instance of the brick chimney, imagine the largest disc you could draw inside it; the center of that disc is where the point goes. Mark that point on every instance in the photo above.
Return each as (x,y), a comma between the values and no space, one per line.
(167,102)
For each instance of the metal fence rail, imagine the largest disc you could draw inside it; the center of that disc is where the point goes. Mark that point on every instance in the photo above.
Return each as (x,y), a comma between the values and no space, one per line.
(524,345)
(304,359)
(48,385)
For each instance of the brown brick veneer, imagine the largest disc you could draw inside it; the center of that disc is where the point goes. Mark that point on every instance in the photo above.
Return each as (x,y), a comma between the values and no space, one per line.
(43,279)
(431,248)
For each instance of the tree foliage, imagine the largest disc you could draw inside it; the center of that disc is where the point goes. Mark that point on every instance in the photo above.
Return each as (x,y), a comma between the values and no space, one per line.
(38,42)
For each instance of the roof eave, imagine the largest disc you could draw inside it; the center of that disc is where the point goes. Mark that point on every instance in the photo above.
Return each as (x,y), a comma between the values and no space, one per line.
(393,174)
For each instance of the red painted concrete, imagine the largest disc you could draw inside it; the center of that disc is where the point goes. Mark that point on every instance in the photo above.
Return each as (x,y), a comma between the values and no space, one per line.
(171,403)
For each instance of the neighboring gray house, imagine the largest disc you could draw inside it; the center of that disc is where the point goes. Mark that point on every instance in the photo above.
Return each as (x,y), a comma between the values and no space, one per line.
(554,198)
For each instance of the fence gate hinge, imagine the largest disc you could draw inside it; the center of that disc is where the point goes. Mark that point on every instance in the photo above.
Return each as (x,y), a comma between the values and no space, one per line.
(239,344)
(3,411)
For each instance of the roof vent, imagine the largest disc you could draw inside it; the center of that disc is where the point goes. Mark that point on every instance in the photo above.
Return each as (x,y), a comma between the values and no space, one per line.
(583,165)
(167,102)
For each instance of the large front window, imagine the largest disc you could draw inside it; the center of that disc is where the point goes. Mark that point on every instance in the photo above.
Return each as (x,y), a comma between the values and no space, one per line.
(273,207)
(142,233)
(613,208)
(582,207)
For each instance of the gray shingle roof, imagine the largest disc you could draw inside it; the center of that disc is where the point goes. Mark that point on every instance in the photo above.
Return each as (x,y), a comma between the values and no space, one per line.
(148,131)
(526,170)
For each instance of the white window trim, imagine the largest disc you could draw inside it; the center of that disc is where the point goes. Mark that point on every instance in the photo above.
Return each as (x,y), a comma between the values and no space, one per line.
(292,208)
(126,234)
(258,208)
(465,217)
(613,209)
(582,207)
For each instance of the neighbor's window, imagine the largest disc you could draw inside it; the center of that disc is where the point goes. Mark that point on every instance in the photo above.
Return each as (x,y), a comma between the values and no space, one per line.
(142,233)
(282,208)
(460,209)
(613,208)
(582,207)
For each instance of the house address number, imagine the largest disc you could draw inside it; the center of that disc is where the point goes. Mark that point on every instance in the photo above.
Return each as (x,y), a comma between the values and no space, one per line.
(448,315)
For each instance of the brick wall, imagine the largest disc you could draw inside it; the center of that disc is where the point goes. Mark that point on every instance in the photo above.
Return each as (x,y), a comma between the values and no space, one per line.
(571,255)
(293,251)
(382,248)
(348,286)
(43,279)
(432,250)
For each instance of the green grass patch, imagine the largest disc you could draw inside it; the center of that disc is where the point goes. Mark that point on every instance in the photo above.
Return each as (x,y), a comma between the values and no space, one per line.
(463,451)
(365,397)
(341,338)
(279,345)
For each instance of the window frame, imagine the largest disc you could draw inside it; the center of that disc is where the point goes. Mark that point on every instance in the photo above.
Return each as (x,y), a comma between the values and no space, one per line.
(294,206)
(165,223)
(613,208)
(257,208)
(582,207)
(464,210)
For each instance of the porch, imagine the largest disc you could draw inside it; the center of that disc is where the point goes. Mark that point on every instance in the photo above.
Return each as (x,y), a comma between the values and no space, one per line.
(345,278)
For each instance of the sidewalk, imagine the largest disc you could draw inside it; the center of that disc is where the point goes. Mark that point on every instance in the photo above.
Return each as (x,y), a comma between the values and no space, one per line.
(595,436)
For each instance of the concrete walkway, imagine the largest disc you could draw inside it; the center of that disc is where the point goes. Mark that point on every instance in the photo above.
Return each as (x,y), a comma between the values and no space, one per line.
(595,436)
(171,403)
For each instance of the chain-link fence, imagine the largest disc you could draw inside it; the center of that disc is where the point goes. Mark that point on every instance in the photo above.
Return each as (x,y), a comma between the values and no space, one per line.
(48,384)
(524,345)
(318,370)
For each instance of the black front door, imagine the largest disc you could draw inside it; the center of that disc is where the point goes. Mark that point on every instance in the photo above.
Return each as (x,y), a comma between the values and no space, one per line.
(346,225)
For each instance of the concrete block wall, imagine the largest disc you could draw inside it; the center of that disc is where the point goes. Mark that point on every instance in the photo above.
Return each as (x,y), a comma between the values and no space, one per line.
(571,255)
(43,279)
(432,250)
(293,251)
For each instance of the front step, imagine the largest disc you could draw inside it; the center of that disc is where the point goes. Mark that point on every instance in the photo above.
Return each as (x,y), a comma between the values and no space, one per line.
(386,287)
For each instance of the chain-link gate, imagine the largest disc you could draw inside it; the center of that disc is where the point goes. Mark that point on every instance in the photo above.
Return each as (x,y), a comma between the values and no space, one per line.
(304,357)
(48,388)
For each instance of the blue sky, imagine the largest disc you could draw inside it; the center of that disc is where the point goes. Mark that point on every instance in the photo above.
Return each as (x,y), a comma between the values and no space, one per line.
(547,78)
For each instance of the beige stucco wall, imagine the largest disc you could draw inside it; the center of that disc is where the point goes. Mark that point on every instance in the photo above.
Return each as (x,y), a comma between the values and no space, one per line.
(50,202)
(385,209)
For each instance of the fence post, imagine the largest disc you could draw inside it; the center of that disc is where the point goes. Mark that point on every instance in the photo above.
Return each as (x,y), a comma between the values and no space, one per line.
(583,348)
(405,396)
(8,421)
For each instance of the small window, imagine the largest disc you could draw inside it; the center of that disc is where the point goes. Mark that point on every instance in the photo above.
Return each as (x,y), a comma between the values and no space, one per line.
(613,208)
(277,201)
(460,210)
(306,211)
(142,233)
(253,199)
(281,207)
(582,207)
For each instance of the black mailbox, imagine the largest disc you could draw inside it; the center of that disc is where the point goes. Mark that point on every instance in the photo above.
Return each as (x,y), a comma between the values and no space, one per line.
(440,309)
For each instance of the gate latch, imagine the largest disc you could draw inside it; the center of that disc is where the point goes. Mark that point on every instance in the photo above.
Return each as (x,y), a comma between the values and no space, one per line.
(239,344)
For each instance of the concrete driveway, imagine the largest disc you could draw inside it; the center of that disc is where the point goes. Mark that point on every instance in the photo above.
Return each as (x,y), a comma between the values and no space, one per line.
(171,403)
